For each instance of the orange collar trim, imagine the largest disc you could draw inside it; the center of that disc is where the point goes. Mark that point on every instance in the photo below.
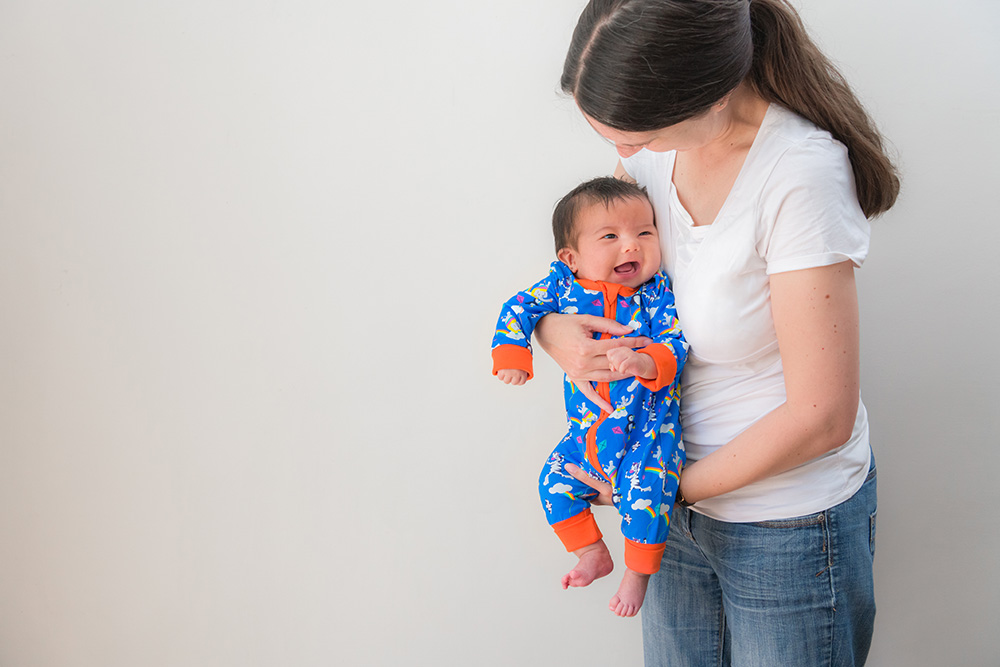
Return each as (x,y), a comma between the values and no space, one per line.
(623,290)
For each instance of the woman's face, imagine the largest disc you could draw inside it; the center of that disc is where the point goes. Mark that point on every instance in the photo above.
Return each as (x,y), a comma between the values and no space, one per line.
(688,134)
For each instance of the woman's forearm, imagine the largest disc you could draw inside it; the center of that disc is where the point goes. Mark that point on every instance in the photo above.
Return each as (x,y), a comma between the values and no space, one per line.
(779,441)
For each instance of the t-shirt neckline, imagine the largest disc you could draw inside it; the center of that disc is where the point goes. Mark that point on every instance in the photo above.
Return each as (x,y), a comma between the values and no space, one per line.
(701,230)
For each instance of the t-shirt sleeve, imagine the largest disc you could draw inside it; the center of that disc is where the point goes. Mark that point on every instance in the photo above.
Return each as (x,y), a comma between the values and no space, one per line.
(809,210)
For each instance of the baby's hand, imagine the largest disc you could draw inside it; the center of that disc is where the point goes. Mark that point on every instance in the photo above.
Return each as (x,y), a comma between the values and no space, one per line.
(512,375)
(630,362)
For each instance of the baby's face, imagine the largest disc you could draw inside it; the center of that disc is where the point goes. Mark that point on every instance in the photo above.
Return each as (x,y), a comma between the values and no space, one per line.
(618,244)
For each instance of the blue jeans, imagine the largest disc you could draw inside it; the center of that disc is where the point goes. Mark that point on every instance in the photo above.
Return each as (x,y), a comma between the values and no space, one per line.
(789,593)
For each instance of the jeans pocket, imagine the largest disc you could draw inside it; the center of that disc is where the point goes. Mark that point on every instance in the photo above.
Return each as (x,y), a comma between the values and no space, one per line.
(791,550)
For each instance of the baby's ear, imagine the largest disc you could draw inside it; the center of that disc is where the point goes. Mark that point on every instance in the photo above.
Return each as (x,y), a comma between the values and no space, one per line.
(568,257)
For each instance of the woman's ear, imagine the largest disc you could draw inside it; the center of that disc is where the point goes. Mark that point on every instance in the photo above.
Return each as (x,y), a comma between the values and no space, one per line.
(568,257)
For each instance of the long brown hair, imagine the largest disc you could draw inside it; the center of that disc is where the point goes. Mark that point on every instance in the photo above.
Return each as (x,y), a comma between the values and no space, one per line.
(640,65)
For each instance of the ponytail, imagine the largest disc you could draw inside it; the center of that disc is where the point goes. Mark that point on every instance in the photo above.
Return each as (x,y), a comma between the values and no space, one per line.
(789,69)
(640,65)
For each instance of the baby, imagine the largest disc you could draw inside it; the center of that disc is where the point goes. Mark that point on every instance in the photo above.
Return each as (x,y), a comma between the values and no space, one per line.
(609,252)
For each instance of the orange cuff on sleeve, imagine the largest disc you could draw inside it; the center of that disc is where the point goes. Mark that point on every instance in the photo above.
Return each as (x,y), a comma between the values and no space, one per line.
(578,531)
(512,356)
(666,366)
(643,558)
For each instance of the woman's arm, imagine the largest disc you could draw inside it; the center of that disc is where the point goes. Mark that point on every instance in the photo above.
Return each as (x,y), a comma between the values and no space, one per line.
(816,319)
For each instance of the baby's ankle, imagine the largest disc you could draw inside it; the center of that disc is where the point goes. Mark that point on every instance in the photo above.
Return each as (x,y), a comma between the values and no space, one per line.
(599,545)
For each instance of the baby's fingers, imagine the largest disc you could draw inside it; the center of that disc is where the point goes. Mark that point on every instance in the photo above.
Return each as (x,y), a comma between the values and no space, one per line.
(512,377)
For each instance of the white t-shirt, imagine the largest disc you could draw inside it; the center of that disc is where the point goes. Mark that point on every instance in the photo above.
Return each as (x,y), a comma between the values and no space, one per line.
(793,206)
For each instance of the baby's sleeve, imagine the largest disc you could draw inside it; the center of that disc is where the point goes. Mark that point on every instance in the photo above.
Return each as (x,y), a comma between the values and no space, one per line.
(518,317)
(669,349)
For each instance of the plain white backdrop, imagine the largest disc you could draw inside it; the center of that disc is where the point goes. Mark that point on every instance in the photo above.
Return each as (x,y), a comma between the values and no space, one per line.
(251,255)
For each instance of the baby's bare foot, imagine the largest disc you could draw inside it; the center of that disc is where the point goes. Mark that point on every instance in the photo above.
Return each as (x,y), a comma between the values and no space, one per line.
(595,562)
(630,595)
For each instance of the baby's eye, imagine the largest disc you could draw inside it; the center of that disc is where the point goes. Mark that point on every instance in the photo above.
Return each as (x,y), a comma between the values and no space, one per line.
(645,233)
(610,236)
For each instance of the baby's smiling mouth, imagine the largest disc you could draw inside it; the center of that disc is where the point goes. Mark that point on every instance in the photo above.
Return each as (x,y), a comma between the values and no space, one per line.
(627,268)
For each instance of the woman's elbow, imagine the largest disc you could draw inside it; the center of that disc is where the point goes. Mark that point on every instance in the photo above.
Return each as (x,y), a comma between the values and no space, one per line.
(838,426)
(827,426)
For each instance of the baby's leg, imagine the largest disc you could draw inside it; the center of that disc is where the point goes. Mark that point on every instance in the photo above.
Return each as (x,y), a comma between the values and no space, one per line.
(567,509)
(595,562)
(631,593)
(650,481)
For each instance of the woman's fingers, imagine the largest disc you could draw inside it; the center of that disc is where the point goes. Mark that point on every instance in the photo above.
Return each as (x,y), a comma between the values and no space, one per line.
(569,340)
(604,325)
(588,390)
(602,346)
(605,374)
(603,488)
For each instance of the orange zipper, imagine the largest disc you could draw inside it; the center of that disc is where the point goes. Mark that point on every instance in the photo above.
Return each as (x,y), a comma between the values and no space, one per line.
(611,292)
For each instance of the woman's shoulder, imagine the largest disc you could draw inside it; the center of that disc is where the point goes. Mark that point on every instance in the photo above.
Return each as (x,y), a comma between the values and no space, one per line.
(791,152)
(783,124)
(788,137)
(807,208)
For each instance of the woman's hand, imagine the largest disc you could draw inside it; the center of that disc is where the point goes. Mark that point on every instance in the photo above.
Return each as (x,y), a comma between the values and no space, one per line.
(603,488)
(569,340)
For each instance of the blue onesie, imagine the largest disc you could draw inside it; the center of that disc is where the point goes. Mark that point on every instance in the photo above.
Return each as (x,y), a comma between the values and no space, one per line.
(638,447)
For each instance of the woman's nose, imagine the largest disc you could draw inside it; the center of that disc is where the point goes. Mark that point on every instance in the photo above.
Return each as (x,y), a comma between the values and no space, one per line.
(627,151)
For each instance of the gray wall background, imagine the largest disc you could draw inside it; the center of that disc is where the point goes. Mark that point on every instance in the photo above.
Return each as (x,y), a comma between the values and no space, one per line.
(235,431)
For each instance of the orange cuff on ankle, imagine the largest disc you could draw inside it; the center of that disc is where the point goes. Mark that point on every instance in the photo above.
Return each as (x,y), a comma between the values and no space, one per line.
(578,531)
(643,558)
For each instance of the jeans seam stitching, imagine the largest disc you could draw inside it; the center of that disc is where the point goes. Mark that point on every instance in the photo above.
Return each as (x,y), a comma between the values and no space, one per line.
(871,532)
(800,522)
(832,614)
(722,631)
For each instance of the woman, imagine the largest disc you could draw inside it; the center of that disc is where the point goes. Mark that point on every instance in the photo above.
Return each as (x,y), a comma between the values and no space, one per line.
(763,169)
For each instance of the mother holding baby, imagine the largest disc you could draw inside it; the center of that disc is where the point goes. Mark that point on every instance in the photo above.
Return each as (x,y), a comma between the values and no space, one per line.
(763,169)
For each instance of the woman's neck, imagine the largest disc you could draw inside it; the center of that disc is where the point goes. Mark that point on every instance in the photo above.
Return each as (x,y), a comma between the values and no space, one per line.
(703,177)
(739,121)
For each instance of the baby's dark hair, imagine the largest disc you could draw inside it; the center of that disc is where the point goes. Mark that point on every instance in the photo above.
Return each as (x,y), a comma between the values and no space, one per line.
(604,190)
